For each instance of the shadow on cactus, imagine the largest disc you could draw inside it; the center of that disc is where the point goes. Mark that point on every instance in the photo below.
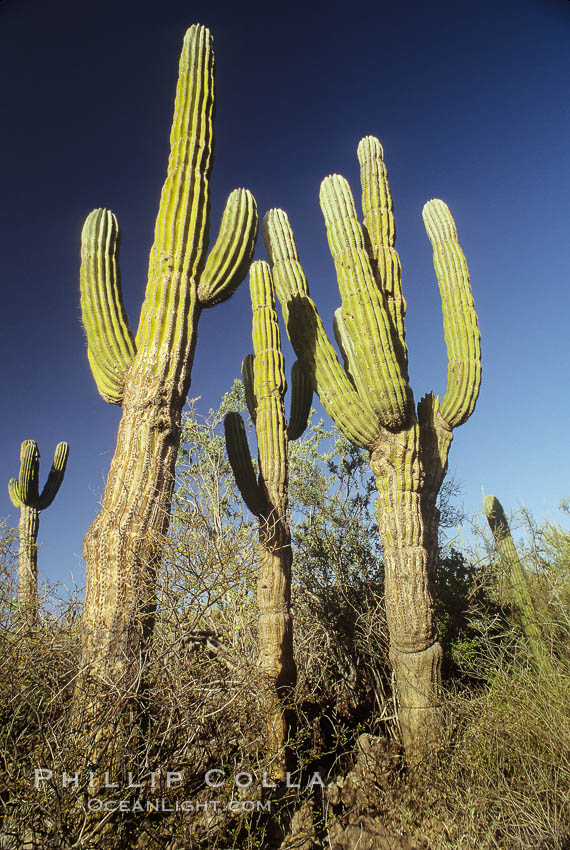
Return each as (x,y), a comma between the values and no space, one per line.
(372,403)
(265,387)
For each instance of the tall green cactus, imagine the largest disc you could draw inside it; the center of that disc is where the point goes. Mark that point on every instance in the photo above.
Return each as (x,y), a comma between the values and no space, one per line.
(372,403)
(519,595)
(25,495)
(265,386)
(149,375)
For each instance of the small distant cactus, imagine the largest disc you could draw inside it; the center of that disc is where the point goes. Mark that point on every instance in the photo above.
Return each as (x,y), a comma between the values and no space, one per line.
(372,403)
(149,375)
(265,386)
(25,495)
(518,595)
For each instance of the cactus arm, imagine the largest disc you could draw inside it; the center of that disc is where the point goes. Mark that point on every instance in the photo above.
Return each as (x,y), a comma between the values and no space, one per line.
(379,377)
(229,259)
(517,580)
(241,464)
(301,399)
(247,378)
(380,235)
(110,345)
(181,232)
(55,476)
(14,492)
(308,336)
(462,337)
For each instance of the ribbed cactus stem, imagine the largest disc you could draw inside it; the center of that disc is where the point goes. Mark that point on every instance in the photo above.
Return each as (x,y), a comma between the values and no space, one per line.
(150,375)
(265,387)
(378,375)
(371,401)
(308,336)
(25,495)
(380,231)
(519,592)
(460,324)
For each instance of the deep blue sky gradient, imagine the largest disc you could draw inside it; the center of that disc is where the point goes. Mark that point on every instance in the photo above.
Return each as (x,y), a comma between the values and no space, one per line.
(470,101)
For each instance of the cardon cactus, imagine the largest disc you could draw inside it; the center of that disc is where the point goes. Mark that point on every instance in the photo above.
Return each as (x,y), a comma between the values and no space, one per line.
(25,495)
(149,374)
(371,401)
(265,386)
(518,595)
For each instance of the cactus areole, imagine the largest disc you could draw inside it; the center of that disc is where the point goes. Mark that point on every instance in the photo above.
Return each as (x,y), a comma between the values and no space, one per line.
(372,403)
(149,374)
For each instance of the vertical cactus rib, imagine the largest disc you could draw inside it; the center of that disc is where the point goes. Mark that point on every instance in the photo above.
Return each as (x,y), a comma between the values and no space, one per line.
(380,233)
(308,337)
(231,255)
(371,401)
(377,373)
(110,345)
(462,337)
(520,596)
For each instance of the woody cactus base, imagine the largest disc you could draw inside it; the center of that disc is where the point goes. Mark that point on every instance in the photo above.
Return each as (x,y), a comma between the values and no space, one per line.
(25,495)
(372,403)
(265,387)
(149,376)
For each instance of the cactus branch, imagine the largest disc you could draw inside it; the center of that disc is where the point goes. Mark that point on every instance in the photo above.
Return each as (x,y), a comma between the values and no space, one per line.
(461,328)
(230,257)
(301,399)
(110,344)
(241,464)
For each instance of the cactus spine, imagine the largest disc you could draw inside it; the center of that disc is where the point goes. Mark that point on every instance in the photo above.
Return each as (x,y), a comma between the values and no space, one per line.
(25,495)
(265,386)
(370,400)
(519,595)
(149,374)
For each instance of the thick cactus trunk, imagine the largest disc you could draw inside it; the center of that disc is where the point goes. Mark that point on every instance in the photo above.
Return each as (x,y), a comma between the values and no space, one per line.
(407,521)
(276,634)
(28,564)
(122,546)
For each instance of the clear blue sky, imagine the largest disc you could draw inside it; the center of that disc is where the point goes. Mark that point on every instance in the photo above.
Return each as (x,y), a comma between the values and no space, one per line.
(470,101)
